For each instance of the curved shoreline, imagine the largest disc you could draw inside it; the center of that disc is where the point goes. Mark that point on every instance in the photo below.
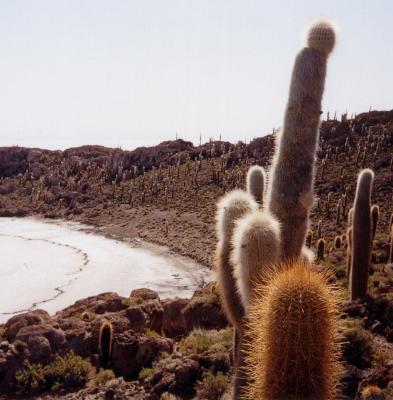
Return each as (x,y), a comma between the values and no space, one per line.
(173,275)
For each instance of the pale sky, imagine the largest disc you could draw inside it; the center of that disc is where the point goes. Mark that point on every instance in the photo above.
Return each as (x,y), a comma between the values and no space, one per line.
(133,73)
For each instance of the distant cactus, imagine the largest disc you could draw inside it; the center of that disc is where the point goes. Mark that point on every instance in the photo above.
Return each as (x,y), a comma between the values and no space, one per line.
(293,352)
(350,217)
(256,248)
(309,238)
(390,260)
(290,195)
(321,249)
(337,242)
(256,179)
(319,230)
(105,343)
(338,212)
(323,165)
(349,251)
(327,205)
(361,235)
(374,220)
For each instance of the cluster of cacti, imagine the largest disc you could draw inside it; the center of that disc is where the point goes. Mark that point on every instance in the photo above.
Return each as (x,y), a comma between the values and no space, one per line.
(272,239)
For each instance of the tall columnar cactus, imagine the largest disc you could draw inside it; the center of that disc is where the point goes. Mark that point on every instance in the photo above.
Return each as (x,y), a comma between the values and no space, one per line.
(374,221)
(361,235)
(256,180)
(293,352)
(105,343)
(256,249)
(290,195)
(231,207)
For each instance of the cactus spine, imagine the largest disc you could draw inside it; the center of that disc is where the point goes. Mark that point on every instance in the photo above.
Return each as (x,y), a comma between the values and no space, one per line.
(105,343)
(361,235)
(290,192)
(256,178)
(293,353)
(256,248)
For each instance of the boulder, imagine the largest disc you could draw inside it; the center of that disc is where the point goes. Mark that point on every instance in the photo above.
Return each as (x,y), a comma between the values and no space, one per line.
(174,322)
(100,304)
(80,342)
(145,294)
(14,324)
(40,349)
(56,337)
(179,376)
(137,318)
(132,352)
(155,312)
(204,310)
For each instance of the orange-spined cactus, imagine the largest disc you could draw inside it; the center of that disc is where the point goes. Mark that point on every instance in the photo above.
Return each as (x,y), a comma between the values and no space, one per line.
(294,341)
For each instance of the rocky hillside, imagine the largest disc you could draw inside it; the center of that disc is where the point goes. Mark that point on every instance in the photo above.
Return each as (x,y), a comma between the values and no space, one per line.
(167,194)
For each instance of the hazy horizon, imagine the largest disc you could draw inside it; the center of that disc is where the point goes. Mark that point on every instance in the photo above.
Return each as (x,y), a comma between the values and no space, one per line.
(132,73)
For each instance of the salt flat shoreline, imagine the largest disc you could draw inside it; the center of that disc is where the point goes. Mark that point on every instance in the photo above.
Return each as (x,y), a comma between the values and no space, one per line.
(103,265)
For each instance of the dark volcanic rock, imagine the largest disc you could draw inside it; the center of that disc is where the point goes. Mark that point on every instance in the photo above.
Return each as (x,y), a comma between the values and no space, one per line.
(137,318)
(40,349)
(55,336)
(14,324)
(174,322)
(132,352)
(145,294)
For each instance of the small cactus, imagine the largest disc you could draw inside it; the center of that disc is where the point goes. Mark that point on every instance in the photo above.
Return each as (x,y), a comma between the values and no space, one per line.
(105,343)
(309,238)
(390,261)
(349,251)
(338,212)
(361,235)
(256,178)
(327,205)
(337,242)
(374,220)
(293,351)
(321,249)
(319,230)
